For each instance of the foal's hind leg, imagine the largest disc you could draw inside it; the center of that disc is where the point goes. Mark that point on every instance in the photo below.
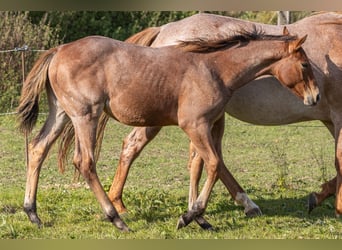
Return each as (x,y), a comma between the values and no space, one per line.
(85,137)
(132,145)
(38,149)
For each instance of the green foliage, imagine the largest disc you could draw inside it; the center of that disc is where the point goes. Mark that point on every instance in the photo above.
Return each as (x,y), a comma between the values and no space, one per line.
(116,24)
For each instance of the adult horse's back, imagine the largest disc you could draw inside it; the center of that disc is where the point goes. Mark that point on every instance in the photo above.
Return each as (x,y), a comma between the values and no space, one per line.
(248,103)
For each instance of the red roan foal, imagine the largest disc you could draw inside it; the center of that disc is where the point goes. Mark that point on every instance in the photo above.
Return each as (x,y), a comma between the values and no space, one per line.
(143,86)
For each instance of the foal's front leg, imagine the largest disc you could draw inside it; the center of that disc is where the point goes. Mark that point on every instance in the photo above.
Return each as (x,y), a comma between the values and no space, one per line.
(202,140)
(195,166)
(338,165)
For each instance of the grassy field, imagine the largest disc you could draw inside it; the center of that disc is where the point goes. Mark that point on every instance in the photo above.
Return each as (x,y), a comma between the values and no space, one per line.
(277,166)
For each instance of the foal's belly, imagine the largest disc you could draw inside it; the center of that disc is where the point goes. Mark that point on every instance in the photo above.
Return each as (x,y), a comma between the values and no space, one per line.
(266,102)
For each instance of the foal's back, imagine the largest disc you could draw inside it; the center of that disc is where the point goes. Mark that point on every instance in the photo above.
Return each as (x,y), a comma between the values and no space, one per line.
(136,85)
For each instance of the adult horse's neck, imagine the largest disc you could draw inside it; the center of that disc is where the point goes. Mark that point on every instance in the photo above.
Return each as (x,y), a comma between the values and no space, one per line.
(240,65)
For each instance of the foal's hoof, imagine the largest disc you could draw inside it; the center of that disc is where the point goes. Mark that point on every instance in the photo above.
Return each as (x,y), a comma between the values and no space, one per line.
(181,223)
(33,217)
(312,202)
(121,225)
(204,224)
(254,212)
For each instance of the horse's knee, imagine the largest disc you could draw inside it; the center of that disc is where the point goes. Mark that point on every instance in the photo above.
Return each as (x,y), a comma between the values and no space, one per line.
(198,208)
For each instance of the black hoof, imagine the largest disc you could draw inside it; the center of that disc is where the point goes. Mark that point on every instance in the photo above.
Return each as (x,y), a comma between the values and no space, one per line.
(253,212)
(312,202)
(181,223)
(185,219)
(204,224)
(33,217)
(121,225)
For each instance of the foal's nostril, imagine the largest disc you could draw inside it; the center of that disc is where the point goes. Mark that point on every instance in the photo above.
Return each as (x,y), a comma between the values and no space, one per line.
(312,100)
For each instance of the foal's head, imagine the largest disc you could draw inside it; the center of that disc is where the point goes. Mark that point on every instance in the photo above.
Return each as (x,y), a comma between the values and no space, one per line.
(291,66)
(295,72)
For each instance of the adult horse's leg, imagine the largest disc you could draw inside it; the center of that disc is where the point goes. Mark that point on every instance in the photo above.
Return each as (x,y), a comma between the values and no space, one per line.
(84,161)
(132,145)
(338,164)
(38,150)
(236,191)
(328,188)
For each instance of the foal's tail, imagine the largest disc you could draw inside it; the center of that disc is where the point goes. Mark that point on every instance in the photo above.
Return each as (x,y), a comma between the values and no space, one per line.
(144,38)
(34,84)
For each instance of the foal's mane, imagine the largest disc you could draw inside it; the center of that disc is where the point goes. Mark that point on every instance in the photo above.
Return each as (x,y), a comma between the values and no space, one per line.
(243,36)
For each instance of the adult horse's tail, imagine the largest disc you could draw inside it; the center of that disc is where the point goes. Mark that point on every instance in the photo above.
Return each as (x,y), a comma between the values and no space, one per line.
(144,38)
(34,84)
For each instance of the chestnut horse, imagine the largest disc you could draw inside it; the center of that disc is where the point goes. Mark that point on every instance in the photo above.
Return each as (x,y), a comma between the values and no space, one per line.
(263,103)
(144,86)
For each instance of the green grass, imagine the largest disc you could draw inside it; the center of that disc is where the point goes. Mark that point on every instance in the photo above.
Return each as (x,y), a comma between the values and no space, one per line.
(277,166)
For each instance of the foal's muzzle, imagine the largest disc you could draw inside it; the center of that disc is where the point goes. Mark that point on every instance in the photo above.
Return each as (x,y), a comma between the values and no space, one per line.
(312,99)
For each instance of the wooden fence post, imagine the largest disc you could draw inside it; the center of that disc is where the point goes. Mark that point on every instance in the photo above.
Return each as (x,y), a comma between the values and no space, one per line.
(283,17)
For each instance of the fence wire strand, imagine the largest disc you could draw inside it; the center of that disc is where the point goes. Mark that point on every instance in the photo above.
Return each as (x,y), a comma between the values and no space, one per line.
(25,48)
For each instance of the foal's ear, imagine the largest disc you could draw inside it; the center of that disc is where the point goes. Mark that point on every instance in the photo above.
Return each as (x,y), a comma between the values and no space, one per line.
(296,44)
(286,31)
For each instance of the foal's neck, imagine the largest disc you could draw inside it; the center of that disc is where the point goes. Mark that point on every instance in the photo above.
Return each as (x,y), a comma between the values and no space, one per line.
(238,66)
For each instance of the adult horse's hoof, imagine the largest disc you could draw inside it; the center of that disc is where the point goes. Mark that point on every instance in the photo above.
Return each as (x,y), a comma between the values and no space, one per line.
(312,202)
(254,212)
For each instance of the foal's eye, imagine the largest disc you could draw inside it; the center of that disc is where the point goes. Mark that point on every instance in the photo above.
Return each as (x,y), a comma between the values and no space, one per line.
(305,65)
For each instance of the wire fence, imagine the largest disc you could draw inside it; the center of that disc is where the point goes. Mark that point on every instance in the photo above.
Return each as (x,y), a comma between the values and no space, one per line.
(23,50)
